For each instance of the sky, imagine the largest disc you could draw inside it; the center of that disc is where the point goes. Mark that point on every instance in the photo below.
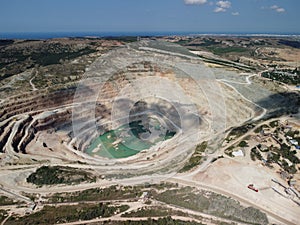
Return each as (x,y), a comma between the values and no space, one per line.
(205,16)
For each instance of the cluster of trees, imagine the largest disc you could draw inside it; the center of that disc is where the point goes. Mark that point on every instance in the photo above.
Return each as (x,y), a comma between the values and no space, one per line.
(273,157)
(288,168)
(3,215)
(239,131)
(279,156)
(255,154)
(286,152)
(243,144)
(47,175)
(284,77)
(6,201)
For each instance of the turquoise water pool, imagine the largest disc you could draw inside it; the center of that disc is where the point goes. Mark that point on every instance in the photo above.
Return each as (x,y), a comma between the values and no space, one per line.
(124,141)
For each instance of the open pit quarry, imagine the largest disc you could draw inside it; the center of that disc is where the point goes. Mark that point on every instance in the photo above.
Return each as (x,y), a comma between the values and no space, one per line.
(134,83)
(136,116)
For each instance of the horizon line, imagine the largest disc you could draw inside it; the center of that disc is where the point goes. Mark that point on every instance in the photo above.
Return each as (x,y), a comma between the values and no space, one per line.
(102,34)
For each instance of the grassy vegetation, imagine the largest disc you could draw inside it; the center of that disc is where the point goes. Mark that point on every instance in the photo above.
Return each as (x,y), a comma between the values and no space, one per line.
(255,154)
(51,175)
(161,221)
(17,60)
(49,57)
(228,151)
(3,215)
(149,212)
(260,128)
(98,194)
(243,144)
(196,158)
(6,201)
(184,198)
(211,203)
(239,131)
(160,186)
(65,214)
(188,197)
(221,50)
(183,42)
(204,43)
(110,193)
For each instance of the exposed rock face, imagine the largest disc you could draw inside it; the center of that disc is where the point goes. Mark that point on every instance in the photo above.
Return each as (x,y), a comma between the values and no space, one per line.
(41,101)
(124,85)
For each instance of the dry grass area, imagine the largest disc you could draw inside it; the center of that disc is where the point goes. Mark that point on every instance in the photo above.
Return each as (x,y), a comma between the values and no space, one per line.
(285,56)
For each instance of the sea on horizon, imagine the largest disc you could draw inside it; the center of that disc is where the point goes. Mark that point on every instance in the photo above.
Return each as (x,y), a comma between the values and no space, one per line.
(49,35)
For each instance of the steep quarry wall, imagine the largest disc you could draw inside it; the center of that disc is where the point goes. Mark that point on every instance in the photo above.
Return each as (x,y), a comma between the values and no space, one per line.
(175,87)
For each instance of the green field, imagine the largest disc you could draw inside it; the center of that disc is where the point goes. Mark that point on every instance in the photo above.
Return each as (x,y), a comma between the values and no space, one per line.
(222,50)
